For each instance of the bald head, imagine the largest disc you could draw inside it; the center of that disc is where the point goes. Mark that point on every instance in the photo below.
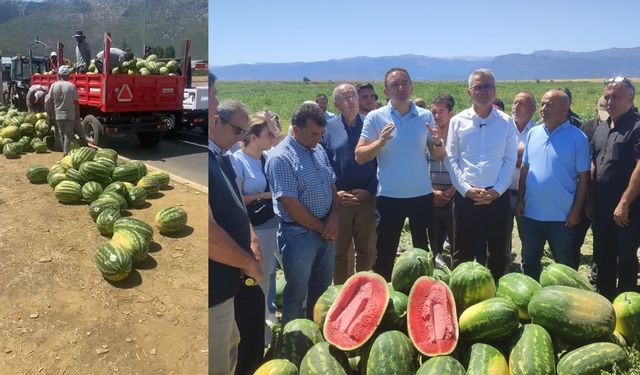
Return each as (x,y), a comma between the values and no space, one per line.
(345,98)
(554,108)
(523,108)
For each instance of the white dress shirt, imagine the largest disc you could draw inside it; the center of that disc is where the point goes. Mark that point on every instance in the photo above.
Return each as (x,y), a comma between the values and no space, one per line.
(521,137)
(481,152)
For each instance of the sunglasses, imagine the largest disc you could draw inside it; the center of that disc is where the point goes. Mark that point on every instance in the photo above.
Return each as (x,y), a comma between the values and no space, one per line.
(236,129)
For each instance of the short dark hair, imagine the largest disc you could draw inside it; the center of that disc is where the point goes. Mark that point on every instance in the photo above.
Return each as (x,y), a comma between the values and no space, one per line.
(498,103)
(568,92)
(212,78)
(321,96)
(445,99)
(308,111)
(362,86)
(395,69)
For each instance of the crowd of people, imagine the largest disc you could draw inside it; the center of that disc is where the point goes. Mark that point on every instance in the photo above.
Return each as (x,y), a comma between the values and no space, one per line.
(331,196)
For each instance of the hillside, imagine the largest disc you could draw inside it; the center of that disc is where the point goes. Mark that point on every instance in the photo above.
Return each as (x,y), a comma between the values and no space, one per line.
(168,22)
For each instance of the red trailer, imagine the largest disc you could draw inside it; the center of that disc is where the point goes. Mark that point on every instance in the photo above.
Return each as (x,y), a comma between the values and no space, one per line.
(122,103)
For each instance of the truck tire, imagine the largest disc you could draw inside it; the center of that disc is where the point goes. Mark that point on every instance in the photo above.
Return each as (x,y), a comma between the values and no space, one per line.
(149,139)
(93,130)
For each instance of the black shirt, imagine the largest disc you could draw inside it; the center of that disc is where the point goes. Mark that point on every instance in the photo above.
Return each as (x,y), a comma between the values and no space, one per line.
(229,212)
(589,127)
(614,153)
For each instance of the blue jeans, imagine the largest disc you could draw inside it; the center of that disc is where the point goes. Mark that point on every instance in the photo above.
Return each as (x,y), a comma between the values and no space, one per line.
(534,234)
(307,261)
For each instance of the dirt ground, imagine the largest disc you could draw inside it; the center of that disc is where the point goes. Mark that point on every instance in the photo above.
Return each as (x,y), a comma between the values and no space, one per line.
(59,316)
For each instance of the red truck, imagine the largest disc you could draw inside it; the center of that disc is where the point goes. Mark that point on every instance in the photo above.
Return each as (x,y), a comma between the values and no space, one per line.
(147,105)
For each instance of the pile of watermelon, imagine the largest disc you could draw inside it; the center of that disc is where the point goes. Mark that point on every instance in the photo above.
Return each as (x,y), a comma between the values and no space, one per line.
(430,320)
(22,132)
(110,186)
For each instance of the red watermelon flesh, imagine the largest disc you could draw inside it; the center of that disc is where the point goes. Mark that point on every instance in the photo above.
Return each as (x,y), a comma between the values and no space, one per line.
(431,317)
(357,311)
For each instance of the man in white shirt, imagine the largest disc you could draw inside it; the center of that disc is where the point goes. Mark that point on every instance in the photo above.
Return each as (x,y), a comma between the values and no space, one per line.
(481,158)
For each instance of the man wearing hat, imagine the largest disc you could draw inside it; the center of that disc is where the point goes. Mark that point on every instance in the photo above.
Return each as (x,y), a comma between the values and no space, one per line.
(64,98)
(35,98)
(83,52)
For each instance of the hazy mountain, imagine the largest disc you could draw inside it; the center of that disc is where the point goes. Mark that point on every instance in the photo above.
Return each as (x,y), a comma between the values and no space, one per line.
(537,65)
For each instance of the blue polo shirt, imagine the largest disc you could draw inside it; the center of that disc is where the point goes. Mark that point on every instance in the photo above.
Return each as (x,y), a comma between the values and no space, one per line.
(340,142)
(403,170)
(554,161)
(296,171)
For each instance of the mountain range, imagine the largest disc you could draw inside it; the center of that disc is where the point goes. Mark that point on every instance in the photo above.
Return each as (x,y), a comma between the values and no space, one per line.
(544,64)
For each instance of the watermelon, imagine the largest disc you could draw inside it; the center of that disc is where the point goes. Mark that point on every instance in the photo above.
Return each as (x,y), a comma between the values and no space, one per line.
(575,315)
(321,308)
(68,192)
(149,184)
(117,187)
(100,204)
(485,359)
(11,150)
(142,168)
(560,274)
(55,178)
(298,336)
(493,319)
(409,267)
(627,308)
(40,147)
(91,191)
(107,153)
(277,367)
(11,131)
(81,155)
(533,353)
(126,172)
(110,164)
(27,129)
(116,197)
(37,174)
(133,242)
(442,272)
(134,224)
(518,288)
(94,171)
(441,365)
(357,311)
(171,219)
(592,359)
(67,161)
(391,353)
(42,126)
(105,221)
(431,317)
(395,317)
(323,359)
(136,197)
(74,175)
(162,178)
(470,283)
(114,263)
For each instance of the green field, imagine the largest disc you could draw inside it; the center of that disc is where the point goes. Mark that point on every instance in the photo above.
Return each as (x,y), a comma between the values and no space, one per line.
(284,97)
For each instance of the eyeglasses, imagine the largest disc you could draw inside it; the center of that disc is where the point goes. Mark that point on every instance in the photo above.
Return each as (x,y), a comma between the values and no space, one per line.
(486,86)
(236,129)
(349,98)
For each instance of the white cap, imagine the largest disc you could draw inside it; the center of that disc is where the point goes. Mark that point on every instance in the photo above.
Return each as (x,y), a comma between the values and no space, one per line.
(39,95)
(63,70)
(54,53)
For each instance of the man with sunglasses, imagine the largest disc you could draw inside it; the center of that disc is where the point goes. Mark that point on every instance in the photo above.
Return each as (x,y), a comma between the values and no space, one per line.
(481,155)
(616,175)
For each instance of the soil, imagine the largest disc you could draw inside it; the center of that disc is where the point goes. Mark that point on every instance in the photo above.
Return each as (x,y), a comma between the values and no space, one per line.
(58,315)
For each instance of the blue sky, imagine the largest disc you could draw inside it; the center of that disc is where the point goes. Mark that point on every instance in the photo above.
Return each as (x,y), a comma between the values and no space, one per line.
(250,31)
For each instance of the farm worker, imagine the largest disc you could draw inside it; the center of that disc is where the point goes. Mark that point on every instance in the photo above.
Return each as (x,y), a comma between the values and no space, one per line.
(366,98)
(553,184)
(443,191)
(35,98)
(616,211)
(574,118)
(481,158)
(83,52)
(398,135)
(356,184)
(116,56)
(234,249)
(53,61)
(306,202)
(63,96)
(322,101)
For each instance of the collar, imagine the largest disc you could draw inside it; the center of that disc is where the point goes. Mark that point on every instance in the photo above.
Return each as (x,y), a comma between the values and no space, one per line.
(474,115)
(358,121)
(622,121)
(413,109)
(558,128)
(214,147)
(297,146)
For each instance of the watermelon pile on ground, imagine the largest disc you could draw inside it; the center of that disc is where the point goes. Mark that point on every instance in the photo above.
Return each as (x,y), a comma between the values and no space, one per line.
(22,132)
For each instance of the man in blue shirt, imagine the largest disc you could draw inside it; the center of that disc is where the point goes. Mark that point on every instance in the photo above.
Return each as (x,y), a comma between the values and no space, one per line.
(323,102)
(553,185)
(305,200)
(356,186)
(398,135)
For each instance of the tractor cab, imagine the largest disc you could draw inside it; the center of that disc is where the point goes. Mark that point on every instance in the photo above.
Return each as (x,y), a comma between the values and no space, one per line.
(22,67)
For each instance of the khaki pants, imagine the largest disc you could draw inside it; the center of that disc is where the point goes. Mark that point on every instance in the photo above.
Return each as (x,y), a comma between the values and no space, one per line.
(66,130)
(224,338)
(356,231)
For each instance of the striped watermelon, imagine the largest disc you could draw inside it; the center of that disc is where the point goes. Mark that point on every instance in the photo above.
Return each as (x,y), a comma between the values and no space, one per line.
(627,308)
(12,150)
(105,221)
(136,197)
(470,283)
(100,204)
(67,161)
(134,224)
(533,353)
(493,319)
(37,174)
(94,171)
(171,219)
(392,353)
(518,288)
(485,359)
(149,184)
(441,365)
(409,267)
(42,126)
(110,164)
(592,359)
(113,262)
(81,155)
(395,317)
(298,336)
(575,315)
(126,172)
(323,304)
(107,153)
(56,178)
(74,175)
(117,187)
(142,168)
(560,274)
(56,168)
(133,242)
(277,367)
(91,191)
(115,196)
(323,359)
(162,178)
(40,147)
(68,192)
(27,129)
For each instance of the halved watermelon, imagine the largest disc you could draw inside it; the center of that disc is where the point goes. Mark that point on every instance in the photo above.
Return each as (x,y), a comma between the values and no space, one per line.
(357,311)
(432,318)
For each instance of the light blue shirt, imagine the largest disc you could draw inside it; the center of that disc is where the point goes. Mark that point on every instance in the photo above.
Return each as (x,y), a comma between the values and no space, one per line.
(249,173)
(554,161)
(296,171)
(403,170)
